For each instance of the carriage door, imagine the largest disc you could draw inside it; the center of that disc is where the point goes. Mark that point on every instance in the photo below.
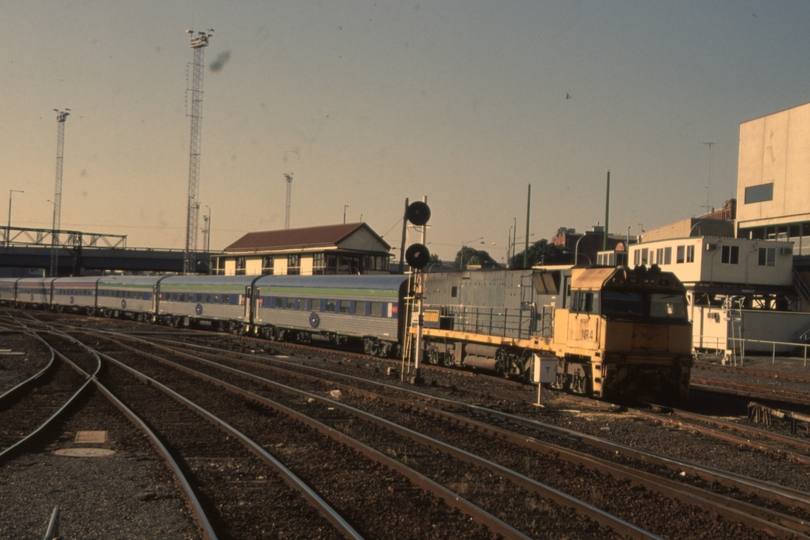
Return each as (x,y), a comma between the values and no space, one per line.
(256,299)
(248,304)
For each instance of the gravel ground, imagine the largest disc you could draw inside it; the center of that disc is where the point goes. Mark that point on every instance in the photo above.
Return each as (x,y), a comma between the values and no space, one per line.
(129,494)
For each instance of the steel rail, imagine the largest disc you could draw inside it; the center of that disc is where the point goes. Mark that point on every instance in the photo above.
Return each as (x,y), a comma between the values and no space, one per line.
(452,499)
(764,373)
(787,496)
(772,522)
(16,446)
(12,391)
(750,391)
(322,506)
(679,416)
(53,525)
(728,507)
(598,515)
(194,503)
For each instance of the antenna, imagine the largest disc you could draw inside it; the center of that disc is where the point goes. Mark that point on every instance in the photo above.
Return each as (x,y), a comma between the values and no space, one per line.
(198,43)
(288,177)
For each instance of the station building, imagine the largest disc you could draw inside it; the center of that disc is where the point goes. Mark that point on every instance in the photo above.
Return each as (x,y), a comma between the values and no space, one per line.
(348,248)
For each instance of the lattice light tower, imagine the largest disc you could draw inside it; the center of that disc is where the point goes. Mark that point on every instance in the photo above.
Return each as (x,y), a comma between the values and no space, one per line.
(288,177)
(61,116)
(198,43)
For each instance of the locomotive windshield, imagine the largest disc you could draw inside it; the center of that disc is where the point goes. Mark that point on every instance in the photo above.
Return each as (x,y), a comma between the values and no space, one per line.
(670,306)
(636,304)
(623,303)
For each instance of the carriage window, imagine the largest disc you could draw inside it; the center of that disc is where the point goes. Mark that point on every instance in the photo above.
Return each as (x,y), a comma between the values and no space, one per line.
(671,306)
(359,308)
(345,305)
(290,303)
(302,304)
(331,306)
(376,309)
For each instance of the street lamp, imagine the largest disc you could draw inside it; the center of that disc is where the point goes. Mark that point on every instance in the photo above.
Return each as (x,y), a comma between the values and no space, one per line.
(8,230)
(345,206)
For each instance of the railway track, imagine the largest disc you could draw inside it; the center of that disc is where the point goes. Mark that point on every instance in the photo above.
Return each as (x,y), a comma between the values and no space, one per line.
(503,429)
(774,523)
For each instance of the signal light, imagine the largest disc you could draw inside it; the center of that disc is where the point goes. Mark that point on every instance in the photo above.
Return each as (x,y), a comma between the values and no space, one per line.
(418,213)
(417,256)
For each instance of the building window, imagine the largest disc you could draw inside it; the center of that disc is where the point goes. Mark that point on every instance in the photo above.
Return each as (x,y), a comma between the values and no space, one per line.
(293,265)
(760,193)
(690,254)
(240,266)
(767,257)
(267,265)
(679,254)
(667,255)
(730,255)
(644,256)
(318,264)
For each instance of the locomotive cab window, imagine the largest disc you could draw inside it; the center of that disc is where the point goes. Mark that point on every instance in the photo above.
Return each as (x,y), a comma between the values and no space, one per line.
(585,302)
(670,306)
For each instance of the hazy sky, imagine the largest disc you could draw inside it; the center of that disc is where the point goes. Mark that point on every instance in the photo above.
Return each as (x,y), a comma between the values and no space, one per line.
(367,103)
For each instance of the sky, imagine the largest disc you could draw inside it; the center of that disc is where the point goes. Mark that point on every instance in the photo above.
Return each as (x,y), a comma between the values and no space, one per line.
(367,103)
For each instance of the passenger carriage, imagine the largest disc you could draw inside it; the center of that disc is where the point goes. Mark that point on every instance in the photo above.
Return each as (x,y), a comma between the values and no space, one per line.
(128,296)
(332,310)
(75,294)
(8,290)
(34,292)
(216,301)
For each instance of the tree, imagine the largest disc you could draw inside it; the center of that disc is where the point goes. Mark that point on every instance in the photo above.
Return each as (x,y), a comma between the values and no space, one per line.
(467,256)
(541,252)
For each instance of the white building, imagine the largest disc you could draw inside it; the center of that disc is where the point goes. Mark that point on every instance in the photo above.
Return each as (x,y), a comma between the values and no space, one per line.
(736,288)
(773,192)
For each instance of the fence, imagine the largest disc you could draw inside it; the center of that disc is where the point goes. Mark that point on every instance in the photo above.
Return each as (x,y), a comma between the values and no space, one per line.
(741,342)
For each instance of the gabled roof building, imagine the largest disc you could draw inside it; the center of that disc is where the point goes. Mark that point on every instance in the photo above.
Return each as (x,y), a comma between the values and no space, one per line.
(348,248)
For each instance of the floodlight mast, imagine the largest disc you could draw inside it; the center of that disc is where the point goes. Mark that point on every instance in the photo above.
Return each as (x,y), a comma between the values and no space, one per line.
(198,43)
(61,117)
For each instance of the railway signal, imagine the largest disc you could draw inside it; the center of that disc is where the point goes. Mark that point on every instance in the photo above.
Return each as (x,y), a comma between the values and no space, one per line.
(418,255)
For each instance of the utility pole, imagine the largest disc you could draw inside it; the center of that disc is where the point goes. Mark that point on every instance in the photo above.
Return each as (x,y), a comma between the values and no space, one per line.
(528,221)
(198,43)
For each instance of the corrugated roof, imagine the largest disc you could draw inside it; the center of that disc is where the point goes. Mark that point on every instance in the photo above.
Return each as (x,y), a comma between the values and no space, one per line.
(327,235)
